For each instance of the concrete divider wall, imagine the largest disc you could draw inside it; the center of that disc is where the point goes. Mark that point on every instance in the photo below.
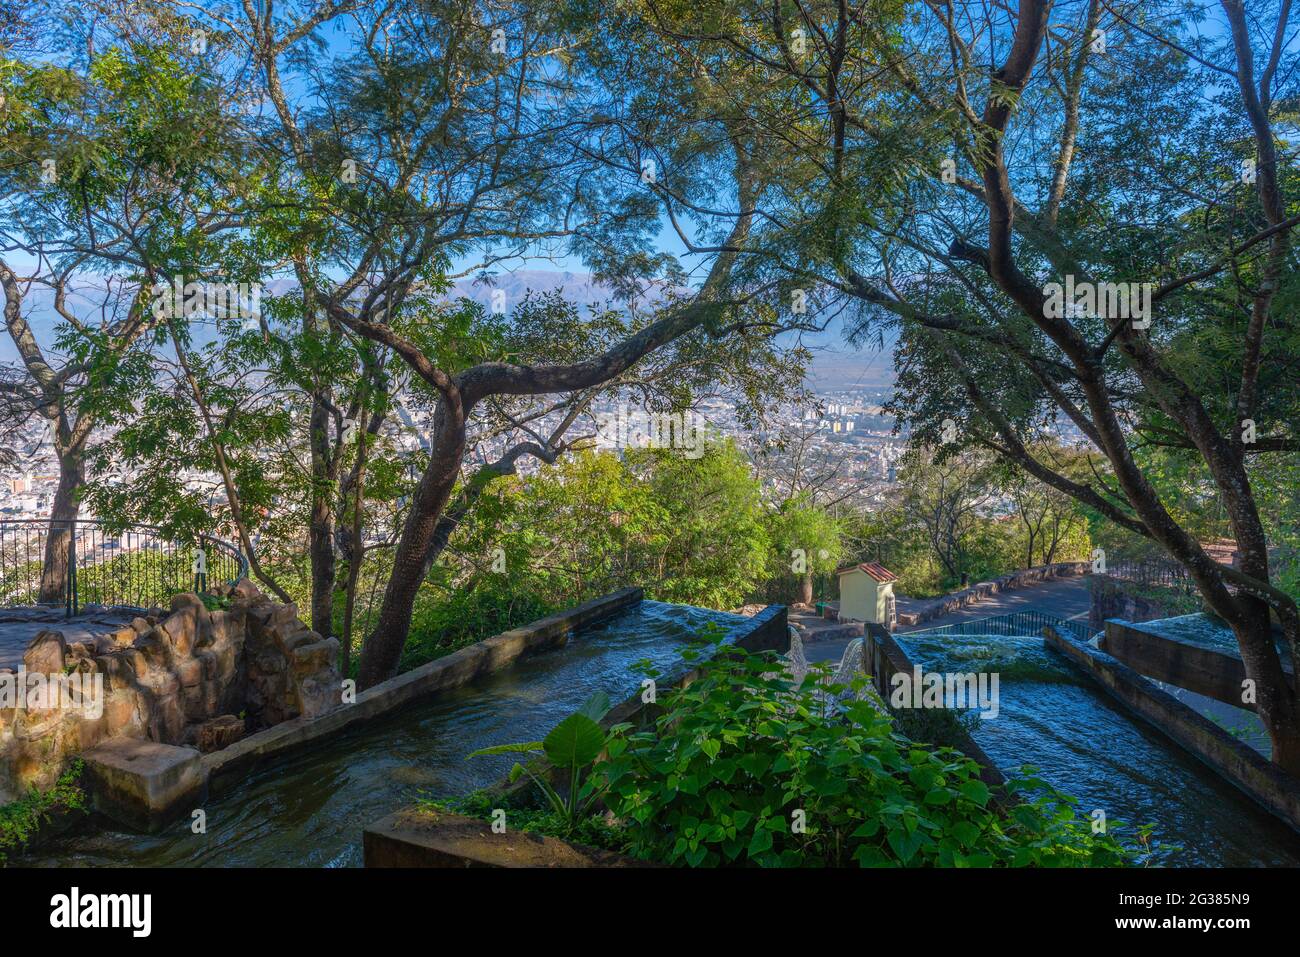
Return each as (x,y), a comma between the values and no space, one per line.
(1240,764)
(882,658)
(1215,674)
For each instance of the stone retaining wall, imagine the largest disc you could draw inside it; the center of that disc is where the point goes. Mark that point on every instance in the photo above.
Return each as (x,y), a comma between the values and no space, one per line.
(1114,598)
(946,604)
(192,676)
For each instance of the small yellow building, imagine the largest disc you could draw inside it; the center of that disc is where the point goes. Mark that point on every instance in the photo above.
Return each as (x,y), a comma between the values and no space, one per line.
(867,593)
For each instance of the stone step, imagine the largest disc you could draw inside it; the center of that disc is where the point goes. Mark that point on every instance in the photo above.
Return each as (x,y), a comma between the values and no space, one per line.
(144,784)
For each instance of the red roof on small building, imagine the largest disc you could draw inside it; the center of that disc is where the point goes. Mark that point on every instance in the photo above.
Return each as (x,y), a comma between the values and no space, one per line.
(876,570)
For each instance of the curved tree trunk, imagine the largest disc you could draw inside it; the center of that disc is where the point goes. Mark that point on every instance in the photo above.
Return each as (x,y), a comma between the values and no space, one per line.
(416,549)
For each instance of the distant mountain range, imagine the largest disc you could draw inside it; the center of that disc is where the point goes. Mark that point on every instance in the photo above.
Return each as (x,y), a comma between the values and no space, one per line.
(835,365)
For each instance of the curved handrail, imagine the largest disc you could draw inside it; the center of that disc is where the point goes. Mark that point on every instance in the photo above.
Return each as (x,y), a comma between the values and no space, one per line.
(78,562)
(1016,624)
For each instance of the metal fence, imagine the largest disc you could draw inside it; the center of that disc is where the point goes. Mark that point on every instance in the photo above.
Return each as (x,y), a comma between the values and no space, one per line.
(1152,574)
(82,562)
(1020,624)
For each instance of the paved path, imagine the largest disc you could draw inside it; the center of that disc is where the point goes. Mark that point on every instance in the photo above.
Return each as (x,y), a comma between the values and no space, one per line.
(16,635)
(1063,597)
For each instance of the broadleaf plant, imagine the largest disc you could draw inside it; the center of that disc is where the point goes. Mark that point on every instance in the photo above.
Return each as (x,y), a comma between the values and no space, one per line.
(573,745)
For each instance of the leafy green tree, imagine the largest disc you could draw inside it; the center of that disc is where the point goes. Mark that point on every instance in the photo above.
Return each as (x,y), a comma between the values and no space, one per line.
(806,545)
(117,160)
(447,132)
(970,246)
(710,546)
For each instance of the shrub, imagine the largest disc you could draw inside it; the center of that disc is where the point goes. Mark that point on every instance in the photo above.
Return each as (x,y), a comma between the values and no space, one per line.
(441,626)
(20,820)
(744,767)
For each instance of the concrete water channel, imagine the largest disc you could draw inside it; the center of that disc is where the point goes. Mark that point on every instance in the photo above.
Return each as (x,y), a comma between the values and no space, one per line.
(1057,719)
(309,808)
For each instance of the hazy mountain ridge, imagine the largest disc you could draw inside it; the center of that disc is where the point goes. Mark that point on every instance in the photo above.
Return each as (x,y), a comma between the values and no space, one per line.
(835,365)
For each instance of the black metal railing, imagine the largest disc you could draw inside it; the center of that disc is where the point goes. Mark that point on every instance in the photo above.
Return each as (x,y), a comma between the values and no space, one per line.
(1019,624)
(82,562)
(1152,574)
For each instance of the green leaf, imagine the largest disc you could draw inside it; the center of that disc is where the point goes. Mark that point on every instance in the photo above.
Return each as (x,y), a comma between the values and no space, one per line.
(574,742)
(976,791)
(905,845)
(595,707)
(966,832)
(527,747)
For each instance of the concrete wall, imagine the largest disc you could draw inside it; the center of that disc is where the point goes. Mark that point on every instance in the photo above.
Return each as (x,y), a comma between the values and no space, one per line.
(1236,761)
(1215,674)
(882,658)
(418,837)
(1114,598)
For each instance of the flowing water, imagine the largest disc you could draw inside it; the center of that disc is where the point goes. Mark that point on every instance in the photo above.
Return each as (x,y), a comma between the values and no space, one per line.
(1056,719)
(311,809)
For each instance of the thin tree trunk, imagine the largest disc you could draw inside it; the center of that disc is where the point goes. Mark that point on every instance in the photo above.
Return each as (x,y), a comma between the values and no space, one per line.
(228,480)
(66,506)
(354,550)
(320,529)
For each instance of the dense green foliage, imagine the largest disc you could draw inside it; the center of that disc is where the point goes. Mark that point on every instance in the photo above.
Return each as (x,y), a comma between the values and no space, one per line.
(21,820)
(686,529)
(746,767)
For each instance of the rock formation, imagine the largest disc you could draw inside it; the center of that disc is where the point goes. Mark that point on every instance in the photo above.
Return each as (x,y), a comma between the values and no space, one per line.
(192,676)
